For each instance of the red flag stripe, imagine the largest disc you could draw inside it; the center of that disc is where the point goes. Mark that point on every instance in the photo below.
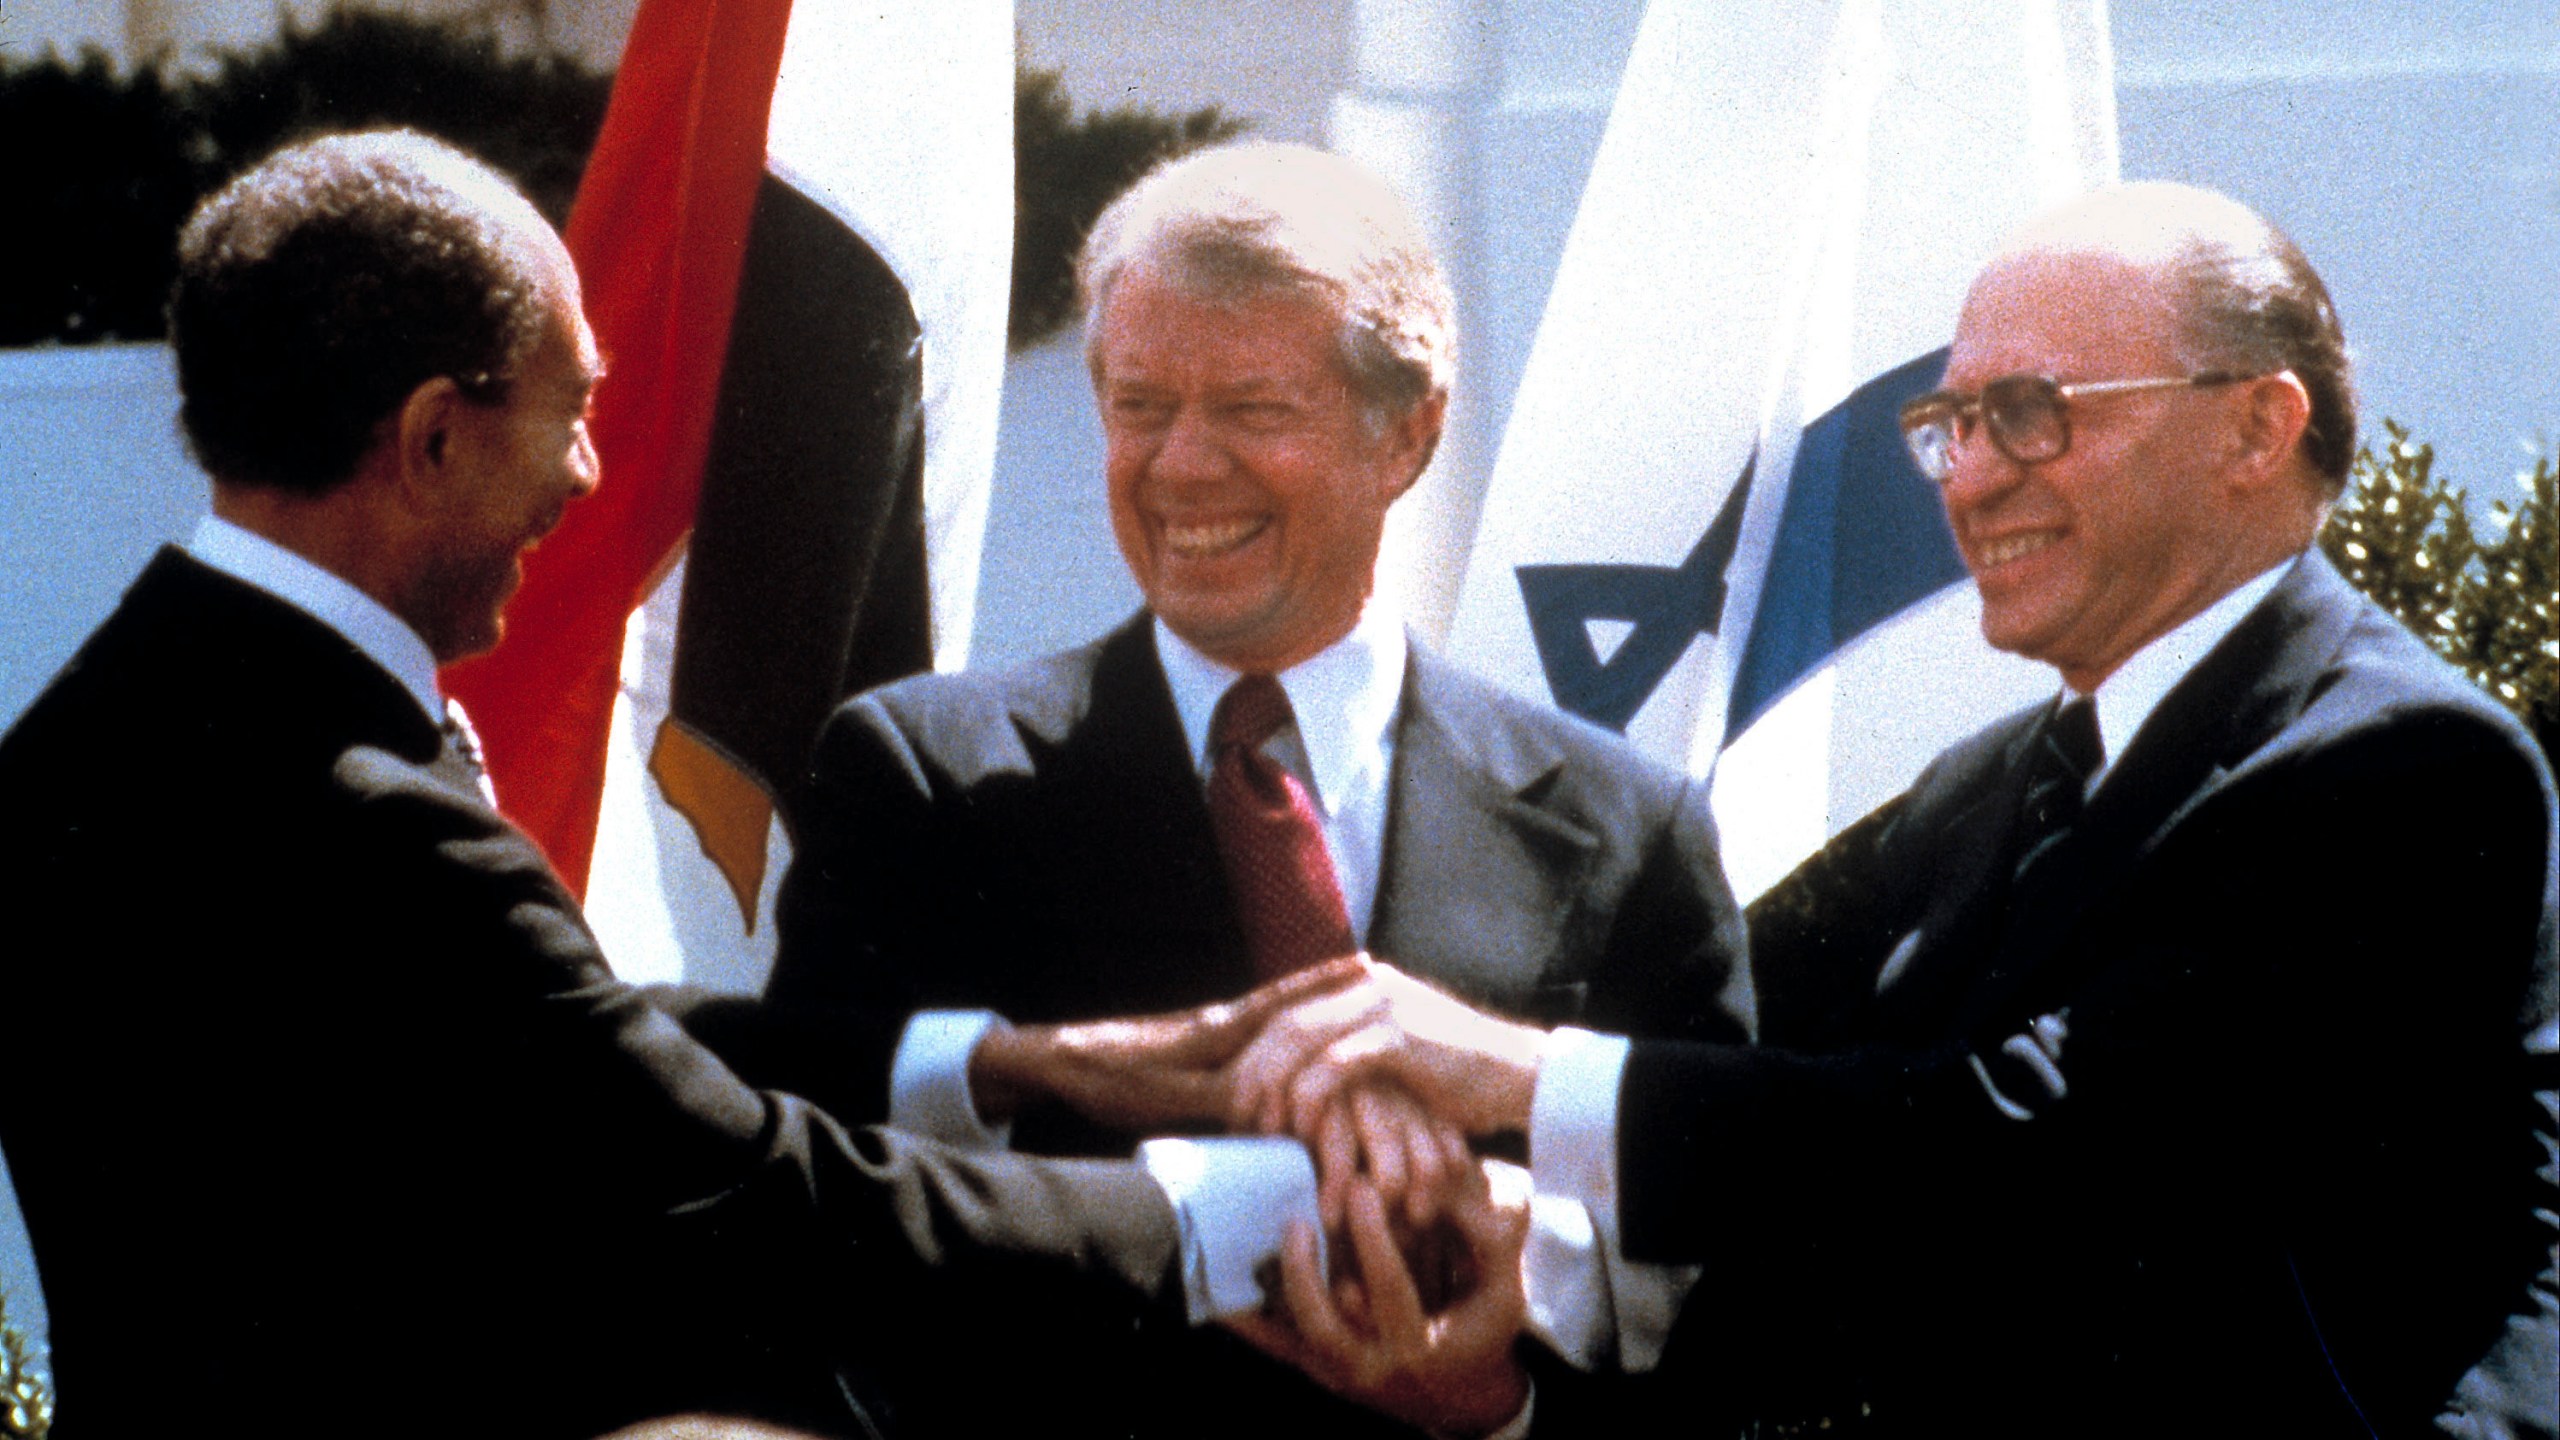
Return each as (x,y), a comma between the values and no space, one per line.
(659,233)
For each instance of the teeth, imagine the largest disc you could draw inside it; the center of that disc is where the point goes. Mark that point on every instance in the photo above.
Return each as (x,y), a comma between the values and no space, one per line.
(2000,552)
(1210,539)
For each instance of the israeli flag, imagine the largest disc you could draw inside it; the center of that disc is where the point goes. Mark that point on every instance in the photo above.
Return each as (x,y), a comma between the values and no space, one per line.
(1702,529)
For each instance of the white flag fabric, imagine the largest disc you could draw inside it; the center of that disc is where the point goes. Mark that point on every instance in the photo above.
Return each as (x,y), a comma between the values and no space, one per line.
(1702,529)
(887,202)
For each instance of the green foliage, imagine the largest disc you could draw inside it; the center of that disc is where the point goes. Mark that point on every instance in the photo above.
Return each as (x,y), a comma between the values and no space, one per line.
(26,1394)
(533,116)
(2488,603)
(1065,171)
(114,161)
(105,177)
(110,163)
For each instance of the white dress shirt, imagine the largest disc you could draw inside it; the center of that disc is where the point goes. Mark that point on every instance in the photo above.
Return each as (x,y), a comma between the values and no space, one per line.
(382,637)
(1342,748)
(1588,1303)
(1231,1197)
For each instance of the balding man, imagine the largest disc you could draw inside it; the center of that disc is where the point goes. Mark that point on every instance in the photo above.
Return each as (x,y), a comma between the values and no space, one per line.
(2094,1101)
(327,1115)
(1256,772)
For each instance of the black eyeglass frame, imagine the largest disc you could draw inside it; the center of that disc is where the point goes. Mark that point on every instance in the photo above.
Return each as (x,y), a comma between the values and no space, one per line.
(1930,422)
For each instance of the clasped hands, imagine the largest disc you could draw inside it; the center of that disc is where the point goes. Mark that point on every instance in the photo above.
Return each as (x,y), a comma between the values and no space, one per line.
(1384,1077)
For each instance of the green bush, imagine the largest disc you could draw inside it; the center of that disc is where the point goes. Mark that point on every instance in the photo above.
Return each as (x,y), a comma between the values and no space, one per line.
(26,1393)
(112,162)
(2490,603)
(1065,171)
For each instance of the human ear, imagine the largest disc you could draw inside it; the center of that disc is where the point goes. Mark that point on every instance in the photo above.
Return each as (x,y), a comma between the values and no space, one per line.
(2274,411)
(423,436)
(1417,436)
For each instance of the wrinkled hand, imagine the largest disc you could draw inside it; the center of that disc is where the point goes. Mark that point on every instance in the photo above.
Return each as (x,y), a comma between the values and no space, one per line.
(1451,1371)
(1474,1070)
(1144,1073)
(1381,1133)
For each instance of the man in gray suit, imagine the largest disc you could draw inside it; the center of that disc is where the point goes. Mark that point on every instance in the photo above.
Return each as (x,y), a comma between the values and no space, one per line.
(1259,770)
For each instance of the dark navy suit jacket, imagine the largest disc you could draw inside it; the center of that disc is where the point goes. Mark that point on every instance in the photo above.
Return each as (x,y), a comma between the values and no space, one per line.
(329,1119)
(2303,942)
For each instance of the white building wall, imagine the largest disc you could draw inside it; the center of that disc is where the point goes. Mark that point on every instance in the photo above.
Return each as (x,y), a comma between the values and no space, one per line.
(93,479)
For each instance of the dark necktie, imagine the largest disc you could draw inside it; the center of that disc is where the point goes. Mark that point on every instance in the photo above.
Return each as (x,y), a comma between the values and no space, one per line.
(464,742)
(1286,894)
(2066,752)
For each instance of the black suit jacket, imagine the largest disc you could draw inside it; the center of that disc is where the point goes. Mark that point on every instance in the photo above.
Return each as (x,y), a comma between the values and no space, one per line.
(328,1117)
(1036,841)
(2303,939)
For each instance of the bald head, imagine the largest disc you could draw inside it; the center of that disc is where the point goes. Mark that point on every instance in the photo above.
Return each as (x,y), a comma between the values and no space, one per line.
(2135,438)
(2241,295)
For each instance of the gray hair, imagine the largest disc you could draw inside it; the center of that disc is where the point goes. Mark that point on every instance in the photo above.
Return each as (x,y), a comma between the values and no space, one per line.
(2252,304)
(2244,298)
(1241,220)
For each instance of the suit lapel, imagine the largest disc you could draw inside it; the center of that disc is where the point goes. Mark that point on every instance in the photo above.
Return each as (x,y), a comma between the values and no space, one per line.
(1963,852)
(2240,695)
(1131,800)
(1482,881)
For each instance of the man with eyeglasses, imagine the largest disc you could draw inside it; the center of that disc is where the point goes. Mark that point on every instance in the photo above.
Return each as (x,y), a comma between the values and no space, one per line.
(2088,1100)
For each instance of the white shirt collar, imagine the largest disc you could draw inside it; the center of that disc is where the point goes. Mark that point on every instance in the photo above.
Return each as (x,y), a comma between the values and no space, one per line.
(2126,698)
(1345,697)
(385,639)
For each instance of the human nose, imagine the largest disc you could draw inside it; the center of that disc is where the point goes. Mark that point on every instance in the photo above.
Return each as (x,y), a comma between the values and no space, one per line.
(586,468)
(1978,469)
(1191,448)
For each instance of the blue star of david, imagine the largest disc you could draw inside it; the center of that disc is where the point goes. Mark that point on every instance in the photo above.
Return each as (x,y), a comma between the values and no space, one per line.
(1667,606)
(1860,536)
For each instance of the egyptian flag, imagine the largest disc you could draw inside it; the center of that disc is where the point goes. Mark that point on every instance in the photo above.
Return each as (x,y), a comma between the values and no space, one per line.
(795,238)
(1702,529)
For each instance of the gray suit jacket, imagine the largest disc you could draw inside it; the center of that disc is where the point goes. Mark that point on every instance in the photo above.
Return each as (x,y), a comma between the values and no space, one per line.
(1036,841)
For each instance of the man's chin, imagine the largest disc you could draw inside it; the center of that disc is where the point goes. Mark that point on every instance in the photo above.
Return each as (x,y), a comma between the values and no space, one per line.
(465,639)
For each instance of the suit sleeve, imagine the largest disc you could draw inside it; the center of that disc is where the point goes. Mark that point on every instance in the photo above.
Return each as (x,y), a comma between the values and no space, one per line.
(2298,1071)
(615,1109)
(871,871)
(1674,965)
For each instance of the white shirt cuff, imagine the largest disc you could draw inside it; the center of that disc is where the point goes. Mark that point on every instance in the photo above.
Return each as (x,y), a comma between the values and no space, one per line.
(1233,1200)
(1587,1301)
(1573,1117)
(929,1079)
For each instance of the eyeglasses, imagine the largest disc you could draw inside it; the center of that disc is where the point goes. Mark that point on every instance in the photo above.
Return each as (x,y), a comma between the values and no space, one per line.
(2026,415)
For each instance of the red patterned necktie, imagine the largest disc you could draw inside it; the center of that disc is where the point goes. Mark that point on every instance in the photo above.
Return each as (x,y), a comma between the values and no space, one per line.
(1268,835)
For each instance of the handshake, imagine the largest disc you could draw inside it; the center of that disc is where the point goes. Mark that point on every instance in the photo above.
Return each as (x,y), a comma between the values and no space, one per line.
(1385,1079)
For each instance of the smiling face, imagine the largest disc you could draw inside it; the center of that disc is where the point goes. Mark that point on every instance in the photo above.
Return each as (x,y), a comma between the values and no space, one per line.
(516,465)
(2083,559)
(1249,489)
